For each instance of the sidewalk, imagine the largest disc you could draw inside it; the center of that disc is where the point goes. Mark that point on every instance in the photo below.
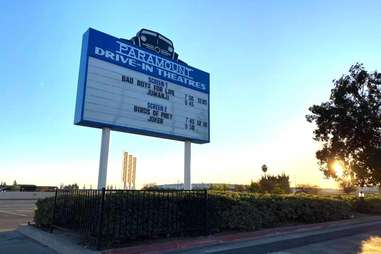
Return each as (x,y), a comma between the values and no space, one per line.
(261,241)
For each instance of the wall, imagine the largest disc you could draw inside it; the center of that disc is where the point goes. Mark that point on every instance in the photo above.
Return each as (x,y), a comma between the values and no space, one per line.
(25,195)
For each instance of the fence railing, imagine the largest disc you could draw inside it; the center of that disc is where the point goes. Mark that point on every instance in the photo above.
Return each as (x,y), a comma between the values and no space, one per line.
(114,217)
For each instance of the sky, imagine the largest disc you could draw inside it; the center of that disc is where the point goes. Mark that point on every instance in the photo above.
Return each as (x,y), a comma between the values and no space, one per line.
(268,62)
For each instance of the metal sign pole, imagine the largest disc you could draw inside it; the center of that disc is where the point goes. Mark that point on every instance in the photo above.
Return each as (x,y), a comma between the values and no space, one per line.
(102,175)
(187,166)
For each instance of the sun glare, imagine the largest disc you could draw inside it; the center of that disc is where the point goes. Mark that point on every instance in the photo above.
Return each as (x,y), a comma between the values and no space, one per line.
(338,167)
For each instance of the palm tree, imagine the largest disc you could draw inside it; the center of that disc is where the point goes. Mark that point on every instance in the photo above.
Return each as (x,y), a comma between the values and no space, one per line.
(264,169)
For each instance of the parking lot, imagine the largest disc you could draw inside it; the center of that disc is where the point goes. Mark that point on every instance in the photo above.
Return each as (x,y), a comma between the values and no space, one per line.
(12,214)
(15,212)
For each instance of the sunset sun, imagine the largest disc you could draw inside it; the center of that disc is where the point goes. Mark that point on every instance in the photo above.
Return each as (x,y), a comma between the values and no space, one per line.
(338,167)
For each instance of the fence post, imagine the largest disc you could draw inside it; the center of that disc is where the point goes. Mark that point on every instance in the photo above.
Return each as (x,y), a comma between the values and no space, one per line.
(54,211)
(100,220)
(206,230)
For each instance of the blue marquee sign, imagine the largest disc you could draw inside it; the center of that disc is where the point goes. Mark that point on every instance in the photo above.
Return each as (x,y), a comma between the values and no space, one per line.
(132,89)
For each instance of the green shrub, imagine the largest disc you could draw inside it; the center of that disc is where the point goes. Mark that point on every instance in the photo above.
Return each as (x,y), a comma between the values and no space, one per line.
(44,212)
(218,187)
(254,187)
(242,217)
(247,211)
(239,211)
(126,216)
(369,205)
(279,184)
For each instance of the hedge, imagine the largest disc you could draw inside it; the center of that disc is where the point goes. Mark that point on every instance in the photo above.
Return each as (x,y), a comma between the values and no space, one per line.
(239,211)
(245,211)
(370,205)
(44,211)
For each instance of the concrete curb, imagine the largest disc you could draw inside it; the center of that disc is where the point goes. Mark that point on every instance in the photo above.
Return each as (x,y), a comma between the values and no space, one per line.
(63,243)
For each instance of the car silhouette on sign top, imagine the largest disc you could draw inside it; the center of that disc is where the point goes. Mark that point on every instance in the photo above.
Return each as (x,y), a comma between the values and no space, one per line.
(156,42)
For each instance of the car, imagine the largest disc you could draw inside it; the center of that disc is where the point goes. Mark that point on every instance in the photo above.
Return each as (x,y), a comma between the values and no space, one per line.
(156,42)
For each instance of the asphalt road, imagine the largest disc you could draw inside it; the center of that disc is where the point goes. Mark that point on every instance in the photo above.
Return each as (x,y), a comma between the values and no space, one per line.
(12,214)
(12,242)
(15,212)
(359,243)
(343,238)
(365,243)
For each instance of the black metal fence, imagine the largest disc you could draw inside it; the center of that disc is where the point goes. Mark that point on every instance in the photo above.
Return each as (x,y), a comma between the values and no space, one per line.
(114,217)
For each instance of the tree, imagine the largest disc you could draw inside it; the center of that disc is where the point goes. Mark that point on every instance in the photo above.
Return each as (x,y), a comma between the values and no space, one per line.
(349,127)
(14,183)
(283,182)
(264,168)
(150,186)
(69,186)
(275,184)
(348,187)
(254,187)
(218,187)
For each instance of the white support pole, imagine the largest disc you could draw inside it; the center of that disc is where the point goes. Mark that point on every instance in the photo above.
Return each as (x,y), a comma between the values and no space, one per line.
(102,175)
(187,166)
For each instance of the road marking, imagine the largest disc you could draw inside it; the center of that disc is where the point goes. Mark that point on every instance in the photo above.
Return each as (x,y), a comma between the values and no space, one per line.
(11,213)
